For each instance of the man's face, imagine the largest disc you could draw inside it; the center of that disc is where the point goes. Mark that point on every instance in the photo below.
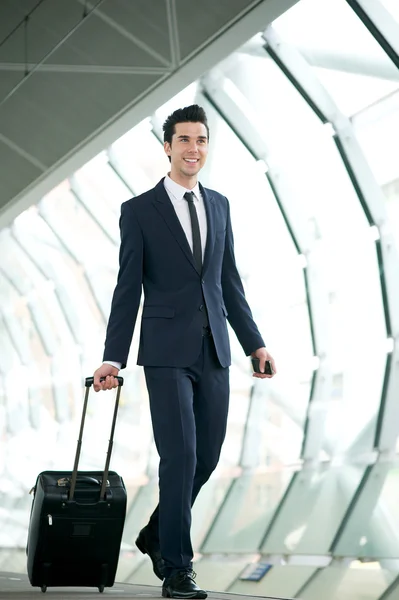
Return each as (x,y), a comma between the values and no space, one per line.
(188,150)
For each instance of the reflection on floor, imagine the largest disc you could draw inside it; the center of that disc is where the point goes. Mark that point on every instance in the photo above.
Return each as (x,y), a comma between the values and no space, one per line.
(15,586)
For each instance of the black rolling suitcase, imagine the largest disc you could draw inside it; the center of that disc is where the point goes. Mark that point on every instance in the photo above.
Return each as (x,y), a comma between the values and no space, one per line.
(77,521)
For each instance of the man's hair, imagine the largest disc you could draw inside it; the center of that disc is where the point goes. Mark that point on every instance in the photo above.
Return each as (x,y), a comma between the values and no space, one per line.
(188,114)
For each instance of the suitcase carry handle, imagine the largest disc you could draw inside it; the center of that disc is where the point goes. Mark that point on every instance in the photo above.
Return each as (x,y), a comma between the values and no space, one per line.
(80,479)
(88,383)
(90,380)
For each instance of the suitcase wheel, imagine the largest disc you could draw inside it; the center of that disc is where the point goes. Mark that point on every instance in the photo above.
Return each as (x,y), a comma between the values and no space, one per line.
(44,588)
(101,588)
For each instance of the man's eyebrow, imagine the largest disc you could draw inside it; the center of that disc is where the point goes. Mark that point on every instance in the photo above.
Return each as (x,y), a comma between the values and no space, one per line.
(199,137)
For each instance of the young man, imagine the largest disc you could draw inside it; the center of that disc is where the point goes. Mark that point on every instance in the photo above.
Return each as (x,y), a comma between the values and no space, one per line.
(177,242)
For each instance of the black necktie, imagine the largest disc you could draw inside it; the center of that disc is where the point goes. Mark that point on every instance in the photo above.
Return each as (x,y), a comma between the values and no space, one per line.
(197,251)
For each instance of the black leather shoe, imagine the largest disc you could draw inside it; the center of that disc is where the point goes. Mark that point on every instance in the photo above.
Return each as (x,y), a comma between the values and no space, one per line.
(147,546)
(182,585)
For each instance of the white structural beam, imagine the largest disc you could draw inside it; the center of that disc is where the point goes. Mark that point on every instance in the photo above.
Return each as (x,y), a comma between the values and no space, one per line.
(372,200)
(367,65)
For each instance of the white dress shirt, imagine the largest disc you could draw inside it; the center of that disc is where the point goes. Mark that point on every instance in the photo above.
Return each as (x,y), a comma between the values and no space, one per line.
(176,193)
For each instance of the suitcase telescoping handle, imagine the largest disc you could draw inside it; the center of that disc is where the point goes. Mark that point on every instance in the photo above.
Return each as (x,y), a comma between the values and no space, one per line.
(88,383)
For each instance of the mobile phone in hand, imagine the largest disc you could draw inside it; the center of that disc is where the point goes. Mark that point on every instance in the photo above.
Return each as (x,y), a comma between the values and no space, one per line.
(268,366)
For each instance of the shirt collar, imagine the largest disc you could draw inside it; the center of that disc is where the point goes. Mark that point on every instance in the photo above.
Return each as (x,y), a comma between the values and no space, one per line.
(178,190)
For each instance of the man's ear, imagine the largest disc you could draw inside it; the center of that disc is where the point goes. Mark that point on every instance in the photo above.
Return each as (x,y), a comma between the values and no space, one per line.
(167,148)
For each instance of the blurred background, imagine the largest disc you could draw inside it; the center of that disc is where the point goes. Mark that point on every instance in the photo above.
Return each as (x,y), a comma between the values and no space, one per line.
(303,105)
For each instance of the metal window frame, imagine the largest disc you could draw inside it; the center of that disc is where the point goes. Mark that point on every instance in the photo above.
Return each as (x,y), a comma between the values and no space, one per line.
(371,198)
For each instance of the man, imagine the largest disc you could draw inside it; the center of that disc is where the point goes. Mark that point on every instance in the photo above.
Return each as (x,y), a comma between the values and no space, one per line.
(177,242)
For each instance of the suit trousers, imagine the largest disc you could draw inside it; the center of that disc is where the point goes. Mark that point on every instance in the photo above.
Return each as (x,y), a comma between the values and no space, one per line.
(189,409)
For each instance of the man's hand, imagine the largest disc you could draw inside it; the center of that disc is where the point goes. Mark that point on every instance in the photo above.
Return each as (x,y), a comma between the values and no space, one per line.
(263,356)
(110,373)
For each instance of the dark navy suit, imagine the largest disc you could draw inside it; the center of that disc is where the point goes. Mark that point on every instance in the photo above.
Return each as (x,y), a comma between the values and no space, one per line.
(186,373)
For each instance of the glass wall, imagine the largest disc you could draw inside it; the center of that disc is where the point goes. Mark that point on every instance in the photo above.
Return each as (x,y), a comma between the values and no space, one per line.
(304,125)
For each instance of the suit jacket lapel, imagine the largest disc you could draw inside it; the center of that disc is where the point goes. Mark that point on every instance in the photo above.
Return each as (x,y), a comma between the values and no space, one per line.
(209,202)
(163,204)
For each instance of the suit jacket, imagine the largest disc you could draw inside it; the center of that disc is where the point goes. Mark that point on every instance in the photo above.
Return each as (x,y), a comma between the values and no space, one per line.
(155,254)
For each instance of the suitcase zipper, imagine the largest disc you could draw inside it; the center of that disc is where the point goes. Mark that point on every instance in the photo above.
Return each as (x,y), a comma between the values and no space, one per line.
(50,519)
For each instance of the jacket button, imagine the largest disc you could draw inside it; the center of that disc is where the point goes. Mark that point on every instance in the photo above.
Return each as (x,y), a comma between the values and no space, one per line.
(201,307)
(202,281)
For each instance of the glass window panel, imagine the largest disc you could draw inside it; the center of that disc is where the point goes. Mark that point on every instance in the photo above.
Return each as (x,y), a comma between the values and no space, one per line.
(17,399)
(238,408)
(340,242)
(84,314)
(393,7)
(102,190)
(131,528)
(127,564)
(45,250)
(139,158)
(279,581)
(287,332)
(49,320)
(20,270)
(366,583)
(40,396)
(393,594)
(60,208)
(218,574)
(19,321)
(377,132)
(22,464)
(142,508)
(373,529)
(14,530)
(206,507)
(10,361)
(62,365)
(151,454)
(143,574)
(18,337)
(20,325)
(12,561)
(90,269)
(246,512)
(315,493)
(99,284)
(134,441)
(270,413)
(183,98)
(353,92)
(351,63)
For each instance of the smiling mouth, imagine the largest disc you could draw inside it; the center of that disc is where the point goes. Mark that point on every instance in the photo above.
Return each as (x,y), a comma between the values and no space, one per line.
(191,161)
